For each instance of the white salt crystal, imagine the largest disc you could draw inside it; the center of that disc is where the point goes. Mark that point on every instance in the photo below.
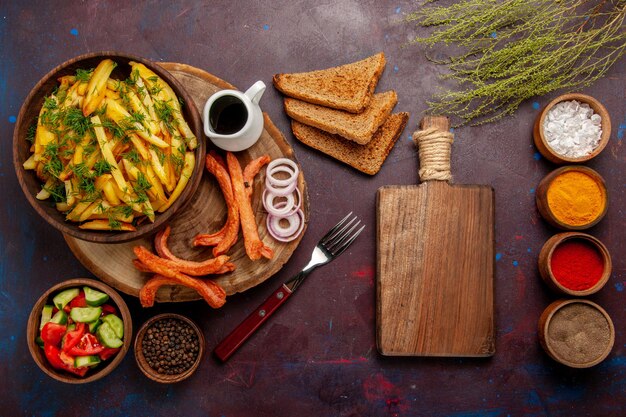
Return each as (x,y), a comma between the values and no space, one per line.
(572,129)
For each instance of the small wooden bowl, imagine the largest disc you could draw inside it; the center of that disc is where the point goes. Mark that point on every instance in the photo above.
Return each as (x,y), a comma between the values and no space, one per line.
(542,198)
(542,144)
(143,363)
(101,370)
(544,324)
(545,262)
(29,112)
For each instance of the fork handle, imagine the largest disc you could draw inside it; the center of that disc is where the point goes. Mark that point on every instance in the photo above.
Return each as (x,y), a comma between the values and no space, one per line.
(237,337)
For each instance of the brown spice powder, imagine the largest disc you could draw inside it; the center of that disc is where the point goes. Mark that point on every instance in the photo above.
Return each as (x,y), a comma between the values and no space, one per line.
(579,333)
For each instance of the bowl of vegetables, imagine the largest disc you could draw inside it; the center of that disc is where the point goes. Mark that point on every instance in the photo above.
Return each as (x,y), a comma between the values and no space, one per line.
(107,147)
(79,331)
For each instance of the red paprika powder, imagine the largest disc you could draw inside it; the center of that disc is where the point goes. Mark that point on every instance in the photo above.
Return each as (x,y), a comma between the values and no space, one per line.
(577,264)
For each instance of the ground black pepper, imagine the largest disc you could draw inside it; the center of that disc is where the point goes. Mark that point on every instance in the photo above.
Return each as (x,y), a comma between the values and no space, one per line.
(170,346)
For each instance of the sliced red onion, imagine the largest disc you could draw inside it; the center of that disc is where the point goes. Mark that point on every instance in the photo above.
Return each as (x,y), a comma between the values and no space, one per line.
(281,191)
(282,165)
(286,209)
(282,205)
(273,209)
(278,232)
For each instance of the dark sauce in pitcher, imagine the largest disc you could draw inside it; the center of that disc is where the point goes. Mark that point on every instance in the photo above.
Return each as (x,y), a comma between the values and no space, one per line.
(228,115)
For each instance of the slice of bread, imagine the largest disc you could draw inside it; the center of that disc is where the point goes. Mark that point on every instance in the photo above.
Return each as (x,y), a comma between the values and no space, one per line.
(356,127)
(348,87)
(366,158)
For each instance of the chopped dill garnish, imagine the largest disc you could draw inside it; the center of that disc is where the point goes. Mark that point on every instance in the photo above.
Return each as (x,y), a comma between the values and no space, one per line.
(57,191)
(112,127)
(50,103)
(30,133)
(67,153)
(126,211)
(114,224)
(178,162)
(132,156)
(160,154)
(83,75)
(132,78)
(74,120)
(54,165)
(102,167)
(137,117)
(165,112)
(142,184)
(80,170)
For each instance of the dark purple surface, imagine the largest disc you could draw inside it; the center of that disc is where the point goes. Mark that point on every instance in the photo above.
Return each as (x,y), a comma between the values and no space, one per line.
(316,356)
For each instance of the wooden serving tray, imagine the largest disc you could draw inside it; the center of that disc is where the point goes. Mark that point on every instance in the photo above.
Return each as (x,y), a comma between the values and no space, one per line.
(205,213)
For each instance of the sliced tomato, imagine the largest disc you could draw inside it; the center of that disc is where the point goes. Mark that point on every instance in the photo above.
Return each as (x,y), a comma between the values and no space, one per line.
(61,360)
(67,359)
(77,371)
(72,338)
(79,300)
(108,352)
(108,309)
(88,345)
(52,333)
(52,355)
(67,309)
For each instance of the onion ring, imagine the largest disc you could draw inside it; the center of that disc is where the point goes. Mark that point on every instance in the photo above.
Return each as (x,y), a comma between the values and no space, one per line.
(276,234)
(282,191)
(277,165)
(268,203)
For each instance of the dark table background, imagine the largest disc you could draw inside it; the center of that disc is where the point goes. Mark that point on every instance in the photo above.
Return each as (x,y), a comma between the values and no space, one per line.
(317,356)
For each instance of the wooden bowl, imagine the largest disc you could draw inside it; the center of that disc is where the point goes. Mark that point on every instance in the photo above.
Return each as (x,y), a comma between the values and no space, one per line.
(548,318)
(542,199)
(101,370)
(143,363)
(545,262)
(31,185)
(542,144)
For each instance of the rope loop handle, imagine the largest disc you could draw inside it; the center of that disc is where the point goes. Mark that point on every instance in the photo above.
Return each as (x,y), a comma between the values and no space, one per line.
(434,147)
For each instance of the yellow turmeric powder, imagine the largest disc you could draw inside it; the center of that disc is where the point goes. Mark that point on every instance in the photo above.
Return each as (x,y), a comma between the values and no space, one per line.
(575,198)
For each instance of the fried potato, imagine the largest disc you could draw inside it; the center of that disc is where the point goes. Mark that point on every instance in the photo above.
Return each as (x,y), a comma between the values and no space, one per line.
(111,149)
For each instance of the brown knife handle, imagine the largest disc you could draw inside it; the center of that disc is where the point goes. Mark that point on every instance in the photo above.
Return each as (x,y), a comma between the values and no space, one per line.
(237,337)
(434,142)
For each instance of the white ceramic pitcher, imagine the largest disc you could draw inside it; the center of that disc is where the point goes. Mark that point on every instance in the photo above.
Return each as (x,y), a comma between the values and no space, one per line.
(244,116)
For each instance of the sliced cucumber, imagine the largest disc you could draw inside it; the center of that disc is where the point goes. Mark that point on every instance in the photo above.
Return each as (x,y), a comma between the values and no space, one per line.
(107,336)
(64,297)
(95,298)
(85,314)
(60,317)
(116,324)
(46,315)
(81,361)
(93,326)
(39,341)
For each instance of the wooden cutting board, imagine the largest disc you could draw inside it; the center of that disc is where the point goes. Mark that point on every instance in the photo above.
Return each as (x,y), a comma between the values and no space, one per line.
(435,268)
(205,213)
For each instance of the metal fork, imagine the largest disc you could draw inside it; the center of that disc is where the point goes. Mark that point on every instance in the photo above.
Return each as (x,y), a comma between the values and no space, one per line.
(333,244)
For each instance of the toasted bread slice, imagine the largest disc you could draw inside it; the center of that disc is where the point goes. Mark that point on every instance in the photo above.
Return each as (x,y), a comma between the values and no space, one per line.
(366,158)
(356,127)
(348,87)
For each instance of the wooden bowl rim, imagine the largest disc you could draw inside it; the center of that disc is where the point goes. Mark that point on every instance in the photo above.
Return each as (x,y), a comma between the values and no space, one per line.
(32,330)
(161,218)
(597,107)
(141,360)
(556,240)
(542,193)
(558,305)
